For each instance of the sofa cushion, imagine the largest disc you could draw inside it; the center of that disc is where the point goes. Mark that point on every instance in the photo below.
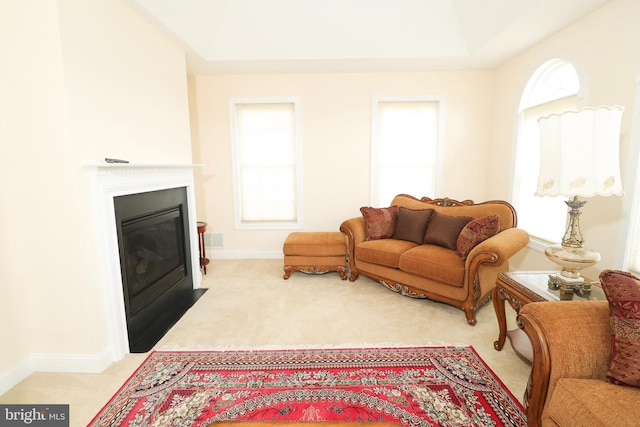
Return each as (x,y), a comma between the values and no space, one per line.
(623,293)
(412,224)
(593,402)
(435,263)
(383,252)
(379,223)
(316,243)
(475,232)
(443,230)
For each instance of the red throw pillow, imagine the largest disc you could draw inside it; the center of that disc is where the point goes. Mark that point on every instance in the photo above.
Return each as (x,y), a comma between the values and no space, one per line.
(478,230)
(380,223)
(623,293)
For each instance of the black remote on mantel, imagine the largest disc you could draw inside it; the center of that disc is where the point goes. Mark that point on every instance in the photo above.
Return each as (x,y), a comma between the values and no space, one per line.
(108,160)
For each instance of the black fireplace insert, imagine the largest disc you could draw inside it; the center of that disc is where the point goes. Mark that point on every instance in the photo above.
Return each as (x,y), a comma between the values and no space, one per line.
(155,261)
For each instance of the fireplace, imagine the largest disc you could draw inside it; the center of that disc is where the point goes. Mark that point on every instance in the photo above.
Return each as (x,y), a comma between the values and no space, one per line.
(155,261)
(150,209)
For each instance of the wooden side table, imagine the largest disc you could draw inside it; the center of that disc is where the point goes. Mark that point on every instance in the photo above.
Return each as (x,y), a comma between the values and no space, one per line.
(520,288)
(204,261)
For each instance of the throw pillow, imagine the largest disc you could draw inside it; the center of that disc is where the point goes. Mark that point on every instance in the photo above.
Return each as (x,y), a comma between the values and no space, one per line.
(443,230)
(476,231)
(379,223)
(623,293)
(412,224)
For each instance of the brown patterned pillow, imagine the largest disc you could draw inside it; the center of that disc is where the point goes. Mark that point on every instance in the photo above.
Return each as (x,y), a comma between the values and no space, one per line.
(443,230)
(412,224)
(623,293)
(476,231)
(379,223)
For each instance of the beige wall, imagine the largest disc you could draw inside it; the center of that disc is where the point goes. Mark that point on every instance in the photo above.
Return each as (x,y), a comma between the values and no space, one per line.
(336,136)
(125,84)
(81,80)
(31,132)
(604,49)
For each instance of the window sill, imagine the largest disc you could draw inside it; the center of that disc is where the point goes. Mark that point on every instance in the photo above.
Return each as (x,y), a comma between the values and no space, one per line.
(539,245)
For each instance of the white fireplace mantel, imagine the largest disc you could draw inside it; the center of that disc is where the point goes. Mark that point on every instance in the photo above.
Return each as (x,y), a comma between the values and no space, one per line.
(106,166)
(110,180)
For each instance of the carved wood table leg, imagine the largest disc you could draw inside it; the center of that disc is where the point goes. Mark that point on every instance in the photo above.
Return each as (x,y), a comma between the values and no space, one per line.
(498,306)
(204,261)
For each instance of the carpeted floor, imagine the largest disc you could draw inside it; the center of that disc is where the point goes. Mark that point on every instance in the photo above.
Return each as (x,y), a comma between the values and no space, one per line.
(411,386)
(250,306)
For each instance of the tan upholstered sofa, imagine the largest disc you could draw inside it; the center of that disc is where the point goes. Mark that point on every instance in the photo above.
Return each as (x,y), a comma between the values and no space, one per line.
(427,270)
(572,349)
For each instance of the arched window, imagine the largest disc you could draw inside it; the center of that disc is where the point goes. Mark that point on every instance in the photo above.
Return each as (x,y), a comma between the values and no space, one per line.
(553,88)
(629,234)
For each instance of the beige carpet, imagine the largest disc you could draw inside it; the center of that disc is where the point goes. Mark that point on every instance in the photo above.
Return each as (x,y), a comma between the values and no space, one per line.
(249,305)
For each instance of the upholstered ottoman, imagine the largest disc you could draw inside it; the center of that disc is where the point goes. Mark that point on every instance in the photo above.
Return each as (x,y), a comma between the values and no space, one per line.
(315,253)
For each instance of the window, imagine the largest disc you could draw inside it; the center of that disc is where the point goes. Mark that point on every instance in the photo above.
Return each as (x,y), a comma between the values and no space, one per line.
(405,139)
(266,152)
(553,88)
(629,234)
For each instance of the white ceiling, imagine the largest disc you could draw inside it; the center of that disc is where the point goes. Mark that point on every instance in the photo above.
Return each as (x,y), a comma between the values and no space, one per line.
(262,36)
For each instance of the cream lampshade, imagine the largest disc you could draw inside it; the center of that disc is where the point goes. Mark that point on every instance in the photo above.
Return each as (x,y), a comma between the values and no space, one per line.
(579,157)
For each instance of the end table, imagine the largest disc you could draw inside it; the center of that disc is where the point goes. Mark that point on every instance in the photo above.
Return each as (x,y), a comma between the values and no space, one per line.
(204,261)
(523,287)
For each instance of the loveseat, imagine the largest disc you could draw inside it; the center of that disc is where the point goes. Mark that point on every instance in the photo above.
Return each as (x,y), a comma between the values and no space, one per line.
(441,249)
(586,358)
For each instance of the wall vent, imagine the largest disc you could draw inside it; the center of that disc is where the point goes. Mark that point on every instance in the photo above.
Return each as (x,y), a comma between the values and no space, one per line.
(213,240)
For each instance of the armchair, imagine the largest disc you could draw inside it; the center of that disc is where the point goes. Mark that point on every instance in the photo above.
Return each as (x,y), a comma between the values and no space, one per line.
(572,347)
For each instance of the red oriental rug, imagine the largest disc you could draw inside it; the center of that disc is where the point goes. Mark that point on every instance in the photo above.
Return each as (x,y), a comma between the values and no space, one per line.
(417,386)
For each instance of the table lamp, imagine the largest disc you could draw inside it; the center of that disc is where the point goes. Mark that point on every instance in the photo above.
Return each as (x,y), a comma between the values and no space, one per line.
(579,157)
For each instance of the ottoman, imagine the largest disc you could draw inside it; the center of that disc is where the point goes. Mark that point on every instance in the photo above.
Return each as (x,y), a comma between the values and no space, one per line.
(315,253)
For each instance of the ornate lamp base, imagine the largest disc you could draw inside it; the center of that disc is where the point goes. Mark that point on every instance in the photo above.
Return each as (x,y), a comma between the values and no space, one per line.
(571,256)
(571,261)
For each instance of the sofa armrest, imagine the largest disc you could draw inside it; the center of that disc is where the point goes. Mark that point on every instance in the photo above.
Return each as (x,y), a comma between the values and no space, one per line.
(570,339)
(354,229)
(502,246)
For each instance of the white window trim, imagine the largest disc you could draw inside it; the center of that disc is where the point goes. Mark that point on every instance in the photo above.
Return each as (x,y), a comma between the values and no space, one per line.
(375,136)
(233,119)
(536,243)
(630,212)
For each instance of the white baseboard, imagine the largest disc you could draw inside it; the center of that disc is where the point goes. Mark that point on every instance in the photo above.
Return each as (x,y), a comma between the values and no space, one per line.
(13,376)
(217,253)
(68,363)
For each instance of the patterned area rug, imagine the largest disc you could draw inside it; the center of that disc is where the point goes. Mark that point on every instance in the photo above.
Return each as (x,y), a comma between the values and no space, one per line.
(418,386)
